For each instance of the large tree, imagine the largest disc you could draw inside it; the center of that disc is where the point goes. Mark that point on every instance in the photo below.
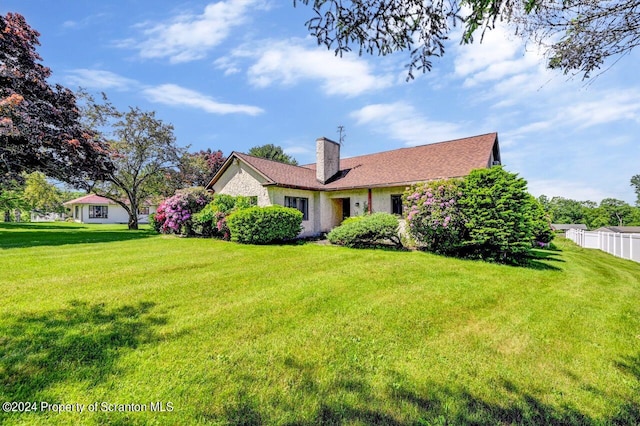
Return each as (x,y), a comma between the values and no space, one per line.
(40,127)
(197,168)
(143,151)
(12,197)
(40,194)
(635,182)
(272,152)
(578,35)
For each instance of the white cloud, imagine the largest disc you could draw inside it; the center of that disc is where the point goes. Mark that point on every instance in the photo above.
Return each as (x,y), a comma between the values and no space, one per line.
(171,94)
(189,37)
(605,108)
(99,80)
(573,190)
(290,62)
(402,122)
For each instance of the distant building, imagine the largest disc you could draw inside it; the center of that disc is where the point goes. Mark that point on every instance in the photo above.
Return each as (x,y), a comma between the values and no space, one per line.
(96,209)
(619,229)
(564,227)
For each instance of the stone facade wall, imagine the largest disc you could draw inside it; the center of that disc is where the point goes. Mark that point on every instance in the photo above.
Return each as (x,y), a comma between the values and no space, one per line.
(240,179)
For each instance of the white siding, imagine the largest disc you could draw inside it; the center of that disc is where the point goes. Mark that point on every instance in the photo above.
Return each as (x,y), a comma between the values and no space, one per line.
(115,214)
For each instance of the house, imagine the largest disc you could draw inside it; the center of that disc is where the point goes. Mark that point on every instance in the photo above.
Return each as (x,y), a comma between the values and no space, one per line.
(619,229)
(93,208)
(564,227)
(334,188)
(38,216)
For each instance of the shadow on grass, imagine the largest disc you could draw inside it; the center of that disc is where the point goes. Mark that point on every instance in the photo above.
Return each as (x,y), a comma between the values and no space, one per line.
(351,400)
(80,343)
(41,225)
(539,257)
(31,235)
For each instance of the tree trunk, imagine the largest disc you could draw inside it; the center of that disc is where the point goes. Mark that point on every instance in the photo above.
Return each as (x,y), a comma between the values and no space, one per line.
(133,220)
(7,216)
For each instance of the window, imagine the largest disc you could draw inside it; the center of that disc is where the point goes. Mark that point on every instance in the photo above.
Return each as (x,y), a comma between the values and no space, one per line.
(98,212)
(143,210)
(299,203)
(396,204)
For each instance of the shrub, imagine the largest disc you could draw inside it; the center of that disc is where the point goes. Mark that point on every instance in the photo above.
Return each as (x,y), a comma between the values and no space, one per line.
(540,222)
(175,213)
(155,221)
(211,221)
(204,221)
(369,230)
(434,218)
(495,206)
(264,225)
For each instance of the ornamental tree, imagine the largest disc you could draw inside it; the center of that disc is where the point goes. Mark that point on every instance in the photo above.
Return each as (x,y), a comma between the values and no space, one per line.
(40,128)
(193,169)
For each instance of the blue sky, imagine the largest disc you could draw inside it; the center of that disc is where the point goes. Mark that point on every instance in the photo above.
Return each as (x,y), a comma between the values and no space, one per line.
(234,74)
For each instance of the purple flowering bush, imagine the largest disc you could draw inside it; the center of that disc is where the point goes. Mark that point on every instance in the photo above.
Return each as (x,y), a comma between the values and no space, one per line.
(434,219)
(175,214)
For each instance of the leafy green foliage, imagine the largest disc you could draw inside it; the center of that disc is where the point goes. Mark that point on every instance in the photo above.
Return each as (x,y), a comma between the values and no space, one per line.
(610,212)
(495,207)
(487,215)
(541,223)
(366,231)
(635,182)
(576,35)
(42,195)
(12,197)
(193,169)
(143,151)
(272,152)
(264,225)
(212,220)
(434,216)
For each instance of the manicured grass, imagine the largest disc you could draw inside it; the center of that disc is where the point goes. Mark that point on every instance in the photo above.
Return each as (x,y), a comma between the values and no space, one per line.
(310,334)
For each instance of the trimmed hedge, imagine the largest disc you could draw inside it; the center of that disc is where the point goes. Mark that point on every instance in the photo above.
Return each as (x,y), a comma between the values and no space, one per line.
(369,230)
(264,225)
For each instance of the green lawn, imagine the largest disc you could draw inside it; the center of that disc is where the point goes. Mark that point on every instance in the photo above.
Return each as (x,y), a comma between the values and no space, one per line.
(307,334)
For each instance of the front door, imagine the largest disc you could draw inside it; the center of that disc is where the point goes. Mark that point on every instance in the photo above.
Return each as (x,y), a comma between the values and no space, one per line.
(346,208)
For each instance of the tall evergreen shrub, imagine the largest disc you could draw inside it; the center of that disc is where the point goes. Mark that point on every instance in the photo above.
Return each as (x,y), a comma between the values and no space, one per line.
(495,206)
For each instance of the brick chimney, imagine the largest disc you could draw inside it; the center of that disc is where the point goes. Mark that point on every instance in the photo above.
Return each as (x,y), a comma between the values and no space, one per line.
(327,159)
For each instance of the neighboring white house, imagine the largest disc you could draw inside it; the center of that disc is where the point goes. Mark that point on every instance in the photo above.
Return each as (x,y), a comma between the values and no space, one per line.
(96,209)
(335,188)
(38,216)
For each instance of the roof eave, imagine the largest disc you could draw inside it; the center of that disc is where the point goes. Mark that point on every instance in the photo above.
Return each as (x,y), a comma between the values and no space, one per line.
(228,163)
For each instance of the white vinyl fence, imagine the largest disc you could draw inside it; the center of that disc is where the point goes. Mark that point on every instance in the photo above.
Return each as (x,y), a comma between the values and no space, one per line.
(626,246)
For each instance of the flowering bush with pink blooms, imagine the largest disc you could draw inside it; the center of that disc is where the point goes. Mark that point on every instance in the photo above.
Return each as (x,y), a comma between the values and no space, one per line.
(174,215)
(433,215)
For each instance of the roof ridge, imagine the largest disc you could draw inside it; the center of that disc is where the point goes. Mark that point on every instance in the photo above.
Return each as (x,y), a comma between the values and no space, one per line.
(268,159)
(419,146)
